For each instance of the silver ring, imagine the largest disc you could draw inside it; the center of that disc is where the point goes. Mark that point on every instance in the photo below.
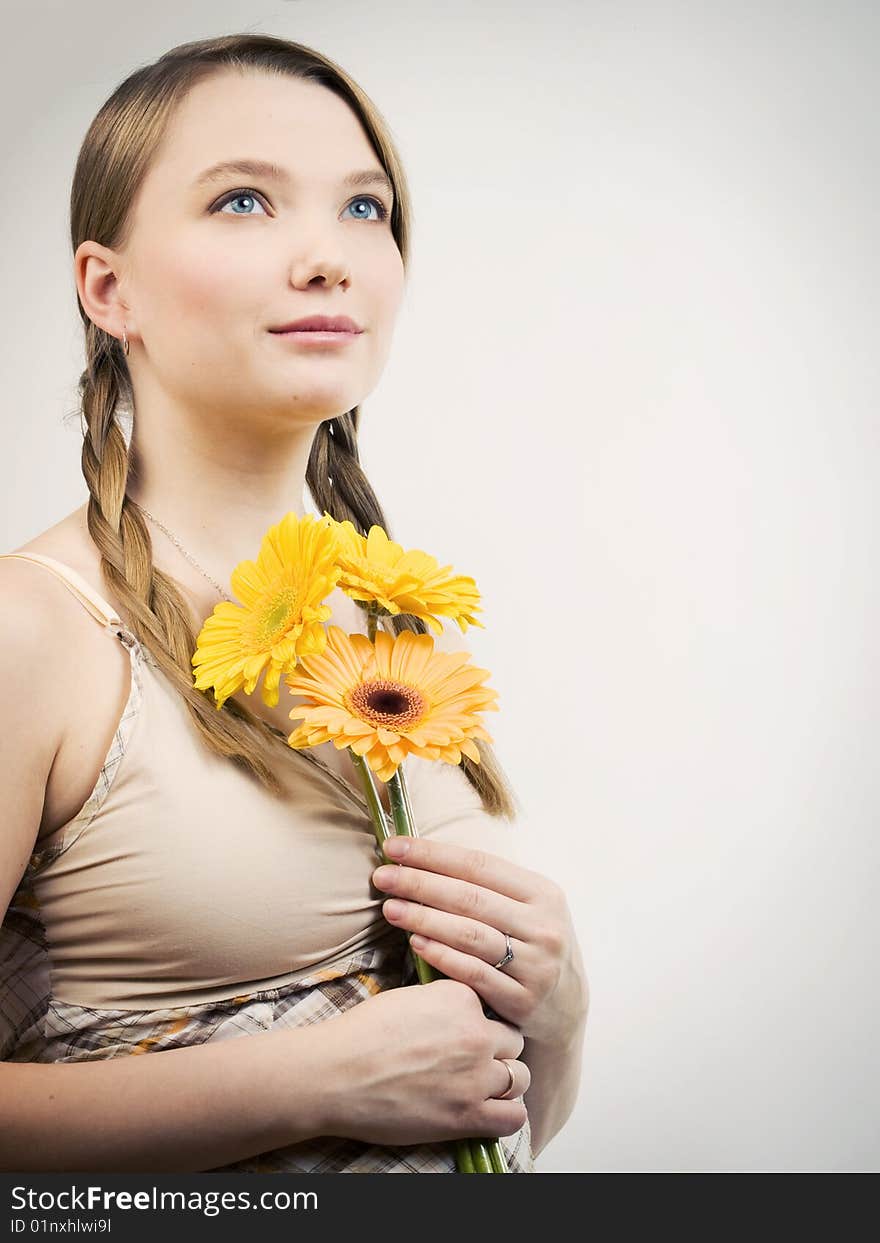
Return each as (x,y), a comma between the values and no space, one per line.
(508,957)
(506,1093)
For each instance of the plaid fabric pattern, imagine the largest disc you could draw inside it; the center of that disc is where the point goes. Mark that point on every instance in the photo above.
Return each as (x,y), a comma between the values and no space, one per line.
(37,1027)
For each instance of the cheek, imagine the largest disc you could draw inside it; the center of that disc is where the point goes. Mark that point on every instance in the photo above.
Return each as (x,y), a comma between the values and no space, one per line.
(386,280)
(197,287)
(391,280)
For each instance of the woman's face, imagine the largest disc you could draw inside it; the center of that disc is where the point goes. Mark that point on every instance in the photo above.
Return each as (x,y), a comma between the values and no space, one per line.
(212,266)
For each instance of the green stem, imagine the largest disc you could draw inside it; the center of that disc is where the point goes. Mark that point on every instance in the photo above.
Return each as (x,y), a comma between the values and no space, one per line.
(463,1158)
(498,1159)
(480,1156)
(473,1156)
(382,828)
(404,827)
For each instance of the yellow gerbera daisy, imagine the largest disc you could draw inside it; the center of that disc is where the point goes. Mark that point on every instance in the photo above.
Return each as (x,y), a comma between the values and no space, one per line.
(374,568)
(387,701)
(281,616)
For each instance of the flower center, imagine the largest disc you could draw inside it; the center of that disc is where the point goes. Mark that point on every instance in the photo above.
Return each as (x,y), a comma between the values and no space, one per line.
(276,620)
(395,705)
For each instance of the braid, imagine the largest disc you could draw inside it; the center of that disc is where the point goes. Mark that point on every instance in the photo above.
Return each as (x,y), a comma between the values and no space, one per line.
(335,456)
(117,152)
(150,601)
(152,605)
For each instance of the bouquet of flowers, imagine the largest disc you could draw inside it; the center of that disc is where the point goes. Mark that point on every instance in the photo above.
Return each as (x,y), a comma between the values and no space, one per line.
(383,697)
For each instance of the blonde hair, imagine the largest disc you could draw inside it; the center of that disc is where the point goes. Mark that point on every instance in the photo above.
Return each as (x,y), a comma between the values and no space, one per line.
(114,158)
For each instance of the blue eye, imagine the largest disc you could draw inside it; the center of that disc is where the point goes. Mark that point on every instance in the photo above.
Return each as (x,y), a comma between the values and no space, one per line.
(234,196)
(380,206)
(246,192)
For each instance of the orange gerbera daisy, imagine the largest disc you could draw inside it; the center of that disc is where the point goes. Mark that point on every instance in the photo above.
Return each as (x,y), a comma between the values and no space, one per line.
(387,701)
(281,616)
(374,568)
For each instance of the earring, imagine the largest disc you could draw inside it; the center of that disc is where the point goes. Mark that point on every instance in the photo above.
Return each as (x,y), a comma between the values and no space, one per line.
(125,344)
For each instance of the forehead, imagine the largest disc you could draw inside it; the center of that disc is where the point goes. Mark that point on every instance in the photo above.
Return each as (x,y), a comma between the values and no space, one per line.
(300,126)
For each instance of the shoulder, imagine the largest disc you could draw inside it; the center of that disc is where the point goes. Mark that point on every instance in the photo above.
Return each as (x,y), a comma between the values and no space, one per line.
(28,585)
(68,540)
(27,600)
(29,656)
(42,623)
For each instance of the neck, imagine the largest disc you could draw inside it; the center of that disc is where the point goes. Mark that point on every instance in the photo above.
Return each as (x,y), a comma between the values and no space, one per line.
(218,497)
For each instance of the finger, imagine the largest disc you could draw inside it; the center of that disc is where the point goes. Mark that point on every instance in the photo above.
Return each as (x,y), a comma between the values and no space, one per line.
(459,897)
(502,1118)
(459,933)
(500,1079)
(498,989)
(466,863)
(509,1040)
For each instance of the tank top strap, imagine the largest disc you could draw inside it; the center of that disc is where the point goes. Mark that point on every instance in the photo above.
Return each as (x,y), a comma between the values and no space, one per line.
(96,605)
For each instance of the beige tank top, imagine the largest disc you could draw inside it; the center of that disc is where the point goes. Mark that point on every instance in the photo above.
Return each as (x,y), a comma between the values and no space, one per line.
(182,880)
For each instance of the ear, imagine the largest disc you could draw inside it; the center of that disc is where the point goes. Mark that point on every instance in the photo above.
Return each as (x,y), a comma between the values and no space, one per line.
(95,274)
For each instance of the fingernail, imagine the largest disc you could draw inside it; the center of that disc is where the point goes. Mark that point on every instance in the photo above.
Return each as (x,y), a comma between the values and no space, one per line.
(396,847)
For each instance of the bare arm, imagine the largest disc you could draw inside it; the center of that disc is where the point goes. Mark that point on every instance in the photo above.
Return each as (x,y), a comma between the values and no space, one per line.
(177,1110)
(213,1104)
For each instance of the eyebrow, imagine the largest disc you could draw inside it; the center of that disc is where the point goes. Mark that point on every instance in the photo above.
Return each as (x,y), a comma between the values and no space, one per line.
(263,168)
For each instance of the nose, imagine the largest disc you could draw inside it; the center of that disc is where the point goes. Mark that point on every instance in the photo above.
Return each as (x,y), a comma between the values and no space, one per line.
(328,274)
(329,282)
(322,266)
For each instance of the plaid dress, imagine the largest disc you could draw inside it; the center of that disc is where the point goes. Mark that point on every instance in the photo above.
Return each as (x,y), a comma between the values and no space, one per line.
(36,1026)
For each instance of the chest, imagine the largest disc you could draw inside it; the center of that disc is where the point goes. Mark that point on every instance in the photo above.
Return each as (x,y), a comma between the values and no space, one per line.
(95,689)
(338,761)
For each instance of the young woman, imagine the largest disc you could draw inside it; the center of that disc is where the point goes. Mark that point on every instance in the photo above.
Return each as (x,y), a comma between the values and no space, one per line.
(177,880)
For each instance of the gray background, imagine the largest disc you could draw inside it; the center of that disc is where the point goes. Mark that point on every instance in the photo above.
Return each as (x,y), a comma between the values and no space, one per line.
(633,392)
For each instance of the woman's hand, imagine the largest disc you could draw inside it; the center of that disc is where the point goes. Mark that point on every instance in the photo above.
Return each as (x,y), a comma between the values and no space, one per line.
(418,1066)
(463,901)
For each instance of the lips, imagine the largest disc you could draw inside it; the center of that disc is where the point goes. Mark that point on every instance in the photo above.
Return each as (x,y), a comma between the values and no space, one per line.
(321,323)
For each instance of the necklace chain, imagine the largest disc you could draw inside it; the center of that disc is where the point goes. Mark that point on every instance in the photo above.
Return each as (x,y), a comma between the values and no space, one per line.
(190,559)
